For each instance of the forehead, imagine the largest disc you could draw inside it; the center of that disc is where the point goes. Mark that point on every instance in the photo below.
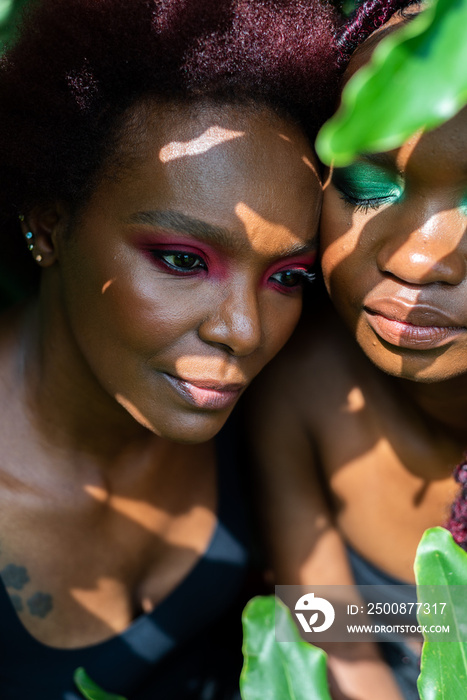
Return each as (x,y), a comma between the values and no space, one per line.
(219,155)
(439,155)
(235,167)
(192,128)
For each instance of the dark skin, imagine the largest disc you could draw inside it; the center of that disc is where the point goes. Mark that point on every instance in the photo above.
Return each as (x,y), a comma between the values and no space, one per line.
(147,329)
(372,402)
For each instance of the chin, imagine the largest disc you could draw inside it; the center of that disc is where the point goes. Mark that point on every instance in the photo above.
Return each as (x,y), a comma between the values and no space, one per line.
(192,430)
(419,368)
(183,426)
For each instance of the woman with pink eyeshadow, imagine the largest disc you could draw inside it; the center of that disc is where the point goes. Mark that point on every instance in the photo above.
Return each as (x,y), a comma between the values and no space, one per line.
(158,182)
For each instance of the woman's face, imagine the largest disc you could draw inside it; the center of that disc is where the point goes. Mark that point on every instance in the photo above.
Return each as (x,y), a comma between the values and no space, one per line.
(394,251)
(183,276)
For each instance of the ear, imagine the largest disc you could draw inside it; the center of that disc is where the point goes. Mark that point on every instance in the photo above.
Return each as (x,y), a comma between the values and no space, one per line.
(42,228)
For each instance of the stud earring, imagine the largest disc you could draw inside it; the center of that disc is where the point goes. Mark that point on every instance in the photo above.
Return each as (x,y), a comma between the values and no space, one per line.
(29,236)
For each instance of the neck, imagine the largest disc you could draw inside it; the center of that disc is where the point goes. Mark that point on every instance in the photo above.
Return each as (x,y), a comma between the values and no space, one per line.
(445,403)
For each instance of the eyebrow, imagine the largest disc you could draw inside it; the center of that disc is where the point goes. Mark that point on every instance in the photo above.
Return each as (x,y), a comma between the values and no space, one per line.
(181,222)
(210,233)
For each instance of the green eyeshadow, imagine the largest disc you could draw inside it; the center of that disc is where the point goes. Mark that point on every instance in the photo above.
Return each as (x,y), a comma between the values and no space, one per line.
(366,181)
(463,204)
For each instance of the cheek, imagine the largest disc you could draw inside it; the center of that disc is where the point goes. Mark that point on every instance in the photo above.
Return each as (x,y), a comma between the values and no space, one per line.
(147,318)
(342,254)
(279,324)
(124,312)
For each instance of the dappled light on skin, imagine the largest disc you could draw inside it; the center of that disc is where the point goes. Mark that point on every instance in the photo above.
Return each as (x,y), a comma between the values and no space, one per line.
(213,136)
(310,165)
(355,401)
(197,251)
(418,251)
(254,222)
(305,160)
(404,155)
(147,605)
(221,368)
(328,179)
(344,246)
(149,517)
(107,285)
(133,411)
(90,599)
(394,255)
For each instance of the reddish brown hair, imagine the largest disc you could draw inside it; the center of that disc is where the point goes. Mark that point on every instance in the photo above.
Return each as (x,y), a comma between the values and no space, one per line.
(79,64)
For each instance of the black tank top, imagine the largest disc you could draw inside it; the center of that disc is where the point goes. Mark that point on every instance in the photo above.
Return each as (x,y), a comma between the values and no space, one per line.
(182,649)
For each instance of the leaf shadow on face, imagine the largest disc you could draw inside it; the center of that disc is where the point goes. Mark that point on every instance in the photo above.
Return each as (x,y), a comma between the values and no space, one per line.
(129,545)
(400,249)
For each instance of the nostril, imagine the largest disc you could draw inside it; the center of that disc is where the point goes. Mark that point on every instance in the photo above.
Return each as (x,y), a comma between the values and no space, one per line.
(420,268)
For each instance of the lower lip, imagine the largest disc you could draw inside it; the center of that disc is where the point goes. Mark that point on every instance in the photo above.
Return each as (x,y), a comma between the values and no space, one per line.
(406,335)
(209,399)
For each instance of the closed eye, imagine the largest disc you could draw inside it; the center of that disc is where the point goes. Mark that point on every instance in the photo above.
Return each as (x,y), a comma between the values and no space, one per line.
(365,204)
(366,186)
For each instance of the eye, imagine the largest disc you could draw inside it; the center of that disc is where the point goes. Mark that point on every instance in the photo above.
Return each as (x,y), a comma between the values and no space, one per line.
(293,278)
(363,204)
(366,186)
(179,260)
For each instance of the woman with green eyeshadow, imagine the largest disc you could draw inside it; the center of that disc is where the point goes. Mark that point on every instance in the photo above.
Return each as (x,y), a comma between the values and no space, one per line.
(363,418)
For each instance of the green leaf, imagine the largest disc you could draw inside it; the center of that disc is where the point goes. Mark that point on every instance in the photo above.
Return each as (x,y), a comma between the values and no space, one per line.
(90,690)
(417,79)
(10,12)
(287,670)
(440,561)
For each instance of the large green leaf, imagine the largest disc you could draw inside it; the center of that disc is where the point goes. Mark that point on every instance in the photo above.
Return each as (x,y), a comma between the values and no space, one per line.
(417,78)
(90,690)
(286,670)
(10,11)
(441,562)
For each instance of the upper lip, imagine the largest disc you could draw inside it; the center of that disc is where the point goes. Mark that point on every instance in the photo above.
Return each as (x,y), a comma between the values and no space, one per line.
(210,384)
(424,315)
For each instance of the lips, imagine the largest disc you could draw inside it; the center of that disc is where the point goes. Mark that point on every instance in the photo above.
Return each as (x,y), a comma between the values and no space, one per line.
(206,394)
(412,326)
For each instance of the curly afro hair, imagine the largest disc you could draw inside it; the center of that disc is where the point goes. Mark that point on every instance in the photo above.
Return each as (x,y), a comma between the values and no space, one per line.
(366,18)
(457,523)
(78,65)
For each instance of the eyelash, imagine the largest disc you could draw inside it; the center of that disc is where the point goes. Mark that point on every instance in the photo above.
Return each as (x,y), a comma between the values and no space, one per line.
(306,277)
(161,255)
(363,205)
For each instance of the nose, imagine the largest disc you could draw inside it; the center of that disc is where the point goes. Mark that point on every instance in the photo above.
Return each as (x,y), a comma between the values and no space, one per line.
(234,323)
(430,252)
